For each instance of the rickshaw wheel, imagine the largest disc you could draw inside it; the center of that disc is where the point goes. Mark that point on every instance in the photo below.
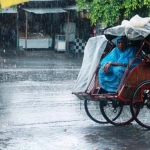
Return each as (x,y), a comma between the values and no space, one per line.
(144,106)
(92,109)
(116,112)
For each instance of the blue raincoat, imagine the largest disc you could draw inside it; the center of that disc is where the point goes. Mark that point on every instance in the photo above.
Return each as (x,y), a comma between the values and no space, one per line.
(110,80)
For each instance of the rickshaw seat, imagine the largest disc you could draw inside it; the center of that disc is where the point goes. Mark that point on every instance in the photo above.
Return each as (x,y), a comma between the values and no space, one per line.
(96,87)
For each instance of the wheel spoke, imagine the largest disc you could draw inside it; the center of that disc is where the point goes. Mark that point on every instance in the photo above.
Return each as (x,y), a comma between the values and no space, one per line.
(143,105)
(117,112)
(92,109)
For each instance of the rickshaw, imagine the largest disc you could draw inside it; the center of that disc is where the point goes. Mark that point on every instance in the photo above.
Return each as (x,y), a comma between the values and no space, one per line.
(132,99)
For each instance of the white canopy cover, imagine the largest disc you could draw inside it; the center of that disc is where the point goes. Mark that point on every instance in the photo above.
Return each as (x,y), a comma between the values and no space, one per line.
(92,54)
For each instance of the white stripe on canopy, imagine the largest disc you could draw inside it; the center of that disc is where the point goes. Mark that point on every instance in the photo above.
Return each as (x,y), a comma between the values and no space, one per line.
(9,10)
(45,10)
(74,7)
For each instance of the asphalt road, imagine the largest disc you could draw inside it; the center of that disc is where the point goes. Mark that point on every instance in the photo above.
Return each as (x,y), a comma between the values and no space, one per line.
(38,111)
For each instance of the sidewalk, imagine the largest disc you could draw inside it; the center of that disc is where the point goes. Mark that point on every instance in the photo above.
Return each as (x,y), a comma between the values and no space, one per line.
(11,53)
(20,53)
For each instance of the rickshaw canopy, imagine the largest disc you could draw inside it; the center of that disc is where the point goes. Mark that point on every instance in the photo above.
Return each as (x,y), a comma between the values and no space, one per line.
(92,54)
(135,29)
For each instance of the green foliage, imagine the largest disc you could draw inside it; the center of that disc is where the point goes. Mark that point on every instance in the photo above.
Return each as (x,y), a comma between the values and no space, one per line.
(114,11)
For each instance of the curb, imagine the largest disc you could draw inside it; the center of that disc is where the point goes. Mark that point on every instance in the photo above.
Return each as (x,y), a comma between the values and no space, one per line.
(11,53)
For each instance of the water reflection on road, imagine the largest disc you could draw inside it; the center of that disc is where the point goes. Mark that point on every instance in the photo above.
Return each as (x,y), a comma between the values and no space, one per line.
(38,111)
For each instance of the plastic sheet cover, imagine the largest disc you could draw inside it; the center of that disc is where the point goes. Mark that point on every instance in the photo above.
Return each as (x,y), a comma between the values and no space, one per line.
(135,29)
(92,55)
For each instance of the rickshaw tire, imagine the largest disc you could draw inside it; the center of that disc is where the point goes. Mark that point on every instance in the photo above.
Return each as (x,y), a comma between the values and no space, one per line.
(112,121)
(133,104)
(91,116)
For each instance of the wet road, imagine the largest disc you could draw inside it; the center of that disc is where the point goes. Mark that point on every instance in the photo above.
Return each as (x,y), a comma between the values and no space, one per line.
(38,111)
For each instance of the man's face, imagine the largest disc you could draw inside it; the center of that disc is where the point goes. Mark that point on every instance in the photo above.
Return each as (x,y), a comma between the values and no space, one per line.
(121,44)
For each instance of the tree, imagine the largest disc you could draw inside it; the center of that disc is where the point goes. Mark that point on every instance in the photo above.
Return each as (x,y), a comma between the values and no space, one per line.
(114,11)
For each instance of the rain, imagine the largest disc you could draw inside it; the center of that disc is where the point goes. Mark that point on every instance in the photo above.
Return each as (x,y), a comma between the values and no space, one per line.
(37,108)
